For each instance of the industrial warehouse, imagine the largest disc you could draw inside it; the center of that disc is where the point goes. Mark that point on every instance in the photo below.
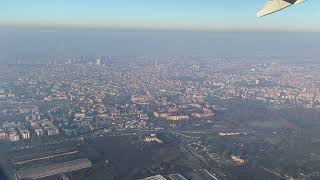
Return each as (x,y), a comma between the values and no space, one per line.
(45,171)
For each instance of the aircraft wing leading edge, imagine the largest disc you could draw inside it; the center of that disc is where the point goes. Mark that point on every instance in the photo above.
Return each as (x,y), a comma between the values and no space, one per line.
(273,6)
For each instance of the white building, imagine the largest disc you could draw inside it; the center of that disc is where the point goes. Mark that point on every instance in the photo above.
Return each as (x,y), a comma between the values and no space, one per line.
(237,159)
(3,134)
(52,131)
(39,132)
(152,138)
(13,135)
(25,133)
(79,115)
(98,61)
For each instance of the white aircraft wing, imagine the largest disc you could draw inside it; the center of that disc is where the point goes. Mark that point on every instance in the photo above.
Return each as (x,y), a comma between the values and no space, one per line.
(273,6)
(277,5)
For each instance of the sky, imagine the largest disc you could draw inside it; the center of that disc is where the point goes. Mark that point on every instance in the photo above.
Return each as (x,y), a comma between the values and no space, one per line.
(31,29)
(158,14)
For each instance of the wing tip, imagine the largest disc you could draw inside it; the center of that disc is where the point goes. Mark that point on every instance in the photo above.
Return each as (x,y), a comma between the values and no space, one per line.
(263,13)
(259,14)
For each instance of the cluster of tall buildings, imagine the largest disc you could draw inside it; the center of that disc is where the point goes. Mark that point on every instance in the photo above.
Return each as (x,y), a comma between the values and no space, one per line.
(16,132)
(98,61)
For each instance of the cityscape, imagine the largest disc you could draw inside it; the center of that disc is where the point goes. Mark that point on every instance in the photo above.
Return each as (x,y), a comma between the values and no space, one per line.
(160,117)
(159,90)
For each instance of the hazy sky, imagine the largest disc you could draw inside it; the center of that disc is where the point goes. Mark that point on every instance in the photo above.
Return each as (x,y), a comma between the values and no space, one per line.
(158,14)
(42,28)
(30,43)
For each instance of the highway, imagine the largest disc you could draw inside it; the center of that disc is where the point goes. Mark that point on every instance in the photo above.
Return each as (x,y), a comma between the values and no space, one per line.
(200,162)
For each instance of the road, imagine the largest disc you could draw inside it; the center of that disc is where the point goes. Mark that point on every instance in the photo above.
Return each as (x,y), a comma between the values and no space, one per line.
(199,161)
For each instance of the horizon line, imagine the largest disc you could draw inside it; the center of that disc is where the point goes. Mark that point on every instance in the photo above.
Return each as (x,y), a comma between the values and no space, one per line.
(154,29)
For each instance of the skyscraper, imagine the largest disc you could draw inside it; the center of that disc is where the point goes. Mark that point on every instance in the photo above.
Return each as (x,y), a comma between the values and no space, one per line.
(98,61)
